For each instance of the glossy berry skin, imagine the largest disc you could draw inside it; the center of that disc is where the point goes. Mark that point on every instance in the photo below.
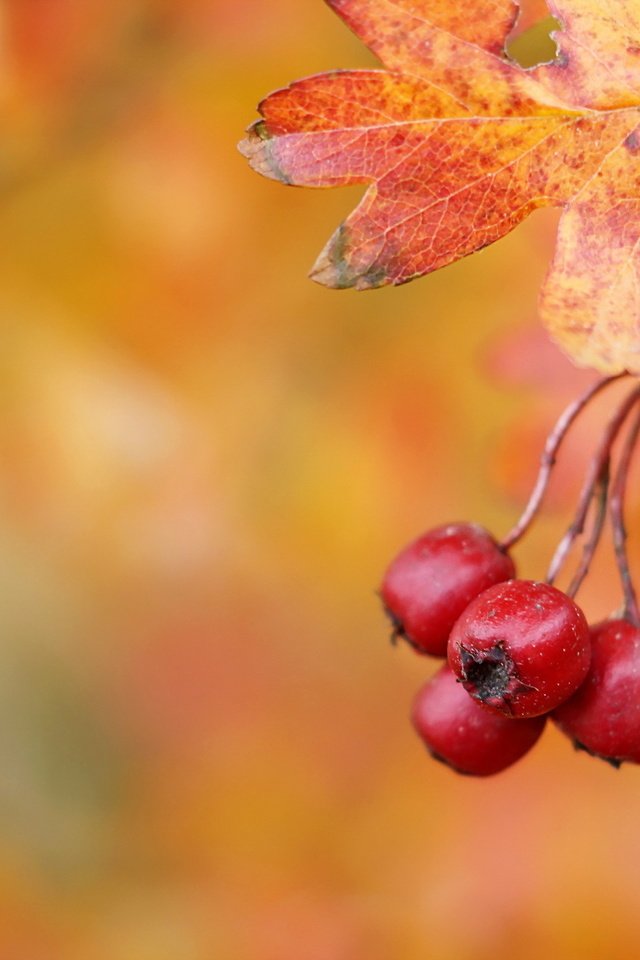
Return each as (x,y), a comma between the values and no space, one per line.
(461,733)
(432,580)
(521,647)
(603,717)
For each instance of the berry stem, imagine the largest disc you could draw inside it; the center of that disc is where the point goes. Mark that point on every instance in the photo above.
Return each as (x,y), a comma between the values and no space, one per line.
(598,467)
(619,530)
(548,459)
(600,496)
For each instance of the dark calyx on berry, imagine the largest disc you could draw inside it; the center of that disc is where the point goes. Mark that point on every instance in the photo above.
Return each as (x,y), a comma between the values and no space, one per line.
(431,581)
(490,676)
(397,627)
(615,762)
(398,632)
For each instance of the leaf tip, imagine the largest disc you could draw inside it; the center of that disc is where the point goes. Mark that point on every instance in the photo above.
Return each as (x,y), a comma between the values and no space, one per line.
(258,147)
(334,267)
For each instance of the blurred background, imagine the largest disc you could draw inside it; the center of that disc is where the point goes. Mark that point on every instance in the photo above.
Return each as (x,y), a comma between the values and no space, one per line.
(207,462)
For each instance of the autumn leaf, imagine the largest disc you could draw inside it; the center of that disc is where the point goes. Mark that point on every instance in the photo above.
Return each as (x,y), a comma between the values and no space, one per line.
(457,144)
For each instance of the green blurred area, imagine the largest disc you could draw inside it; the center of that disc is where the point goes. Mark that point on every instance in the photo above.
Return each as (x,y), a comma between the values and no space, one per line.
(207,462)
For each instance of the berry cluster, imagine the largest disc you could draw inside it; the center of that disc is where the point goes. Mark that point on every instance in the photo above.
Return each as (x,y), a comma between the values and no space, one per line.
(519,651)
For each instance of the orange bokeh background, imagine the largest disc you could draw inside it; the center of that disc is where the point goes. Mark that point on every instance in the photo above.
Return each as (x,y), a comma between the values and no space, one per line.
(207,462)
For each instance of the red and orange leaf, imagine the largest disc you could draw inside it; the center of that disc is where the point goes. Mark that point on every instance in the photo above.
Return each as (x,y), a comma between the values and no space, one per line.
(457,143)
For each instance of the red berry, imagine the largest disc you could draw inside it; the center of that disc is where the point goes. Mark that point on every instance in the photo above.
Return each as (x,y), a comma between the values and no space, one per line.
(465,736)
(521,647)
(603,717)
(432,580)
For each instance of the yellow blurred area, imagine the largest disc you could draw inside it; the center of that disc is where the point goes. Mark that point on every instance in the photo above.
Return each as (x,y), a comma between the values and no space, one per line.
(207,462)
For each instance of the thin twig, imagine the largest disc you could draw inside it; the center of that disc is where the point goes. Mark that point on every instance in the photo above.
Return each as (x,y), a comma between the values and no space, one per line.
(591,544)
(597,466)
(619,530)
(548,459)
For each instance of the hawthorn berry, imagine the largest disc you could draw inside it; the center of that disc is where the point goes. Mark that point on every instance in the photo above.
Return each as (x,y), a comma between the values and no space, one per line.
(521,648)
(459,732)
(603,717)
(431,581)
